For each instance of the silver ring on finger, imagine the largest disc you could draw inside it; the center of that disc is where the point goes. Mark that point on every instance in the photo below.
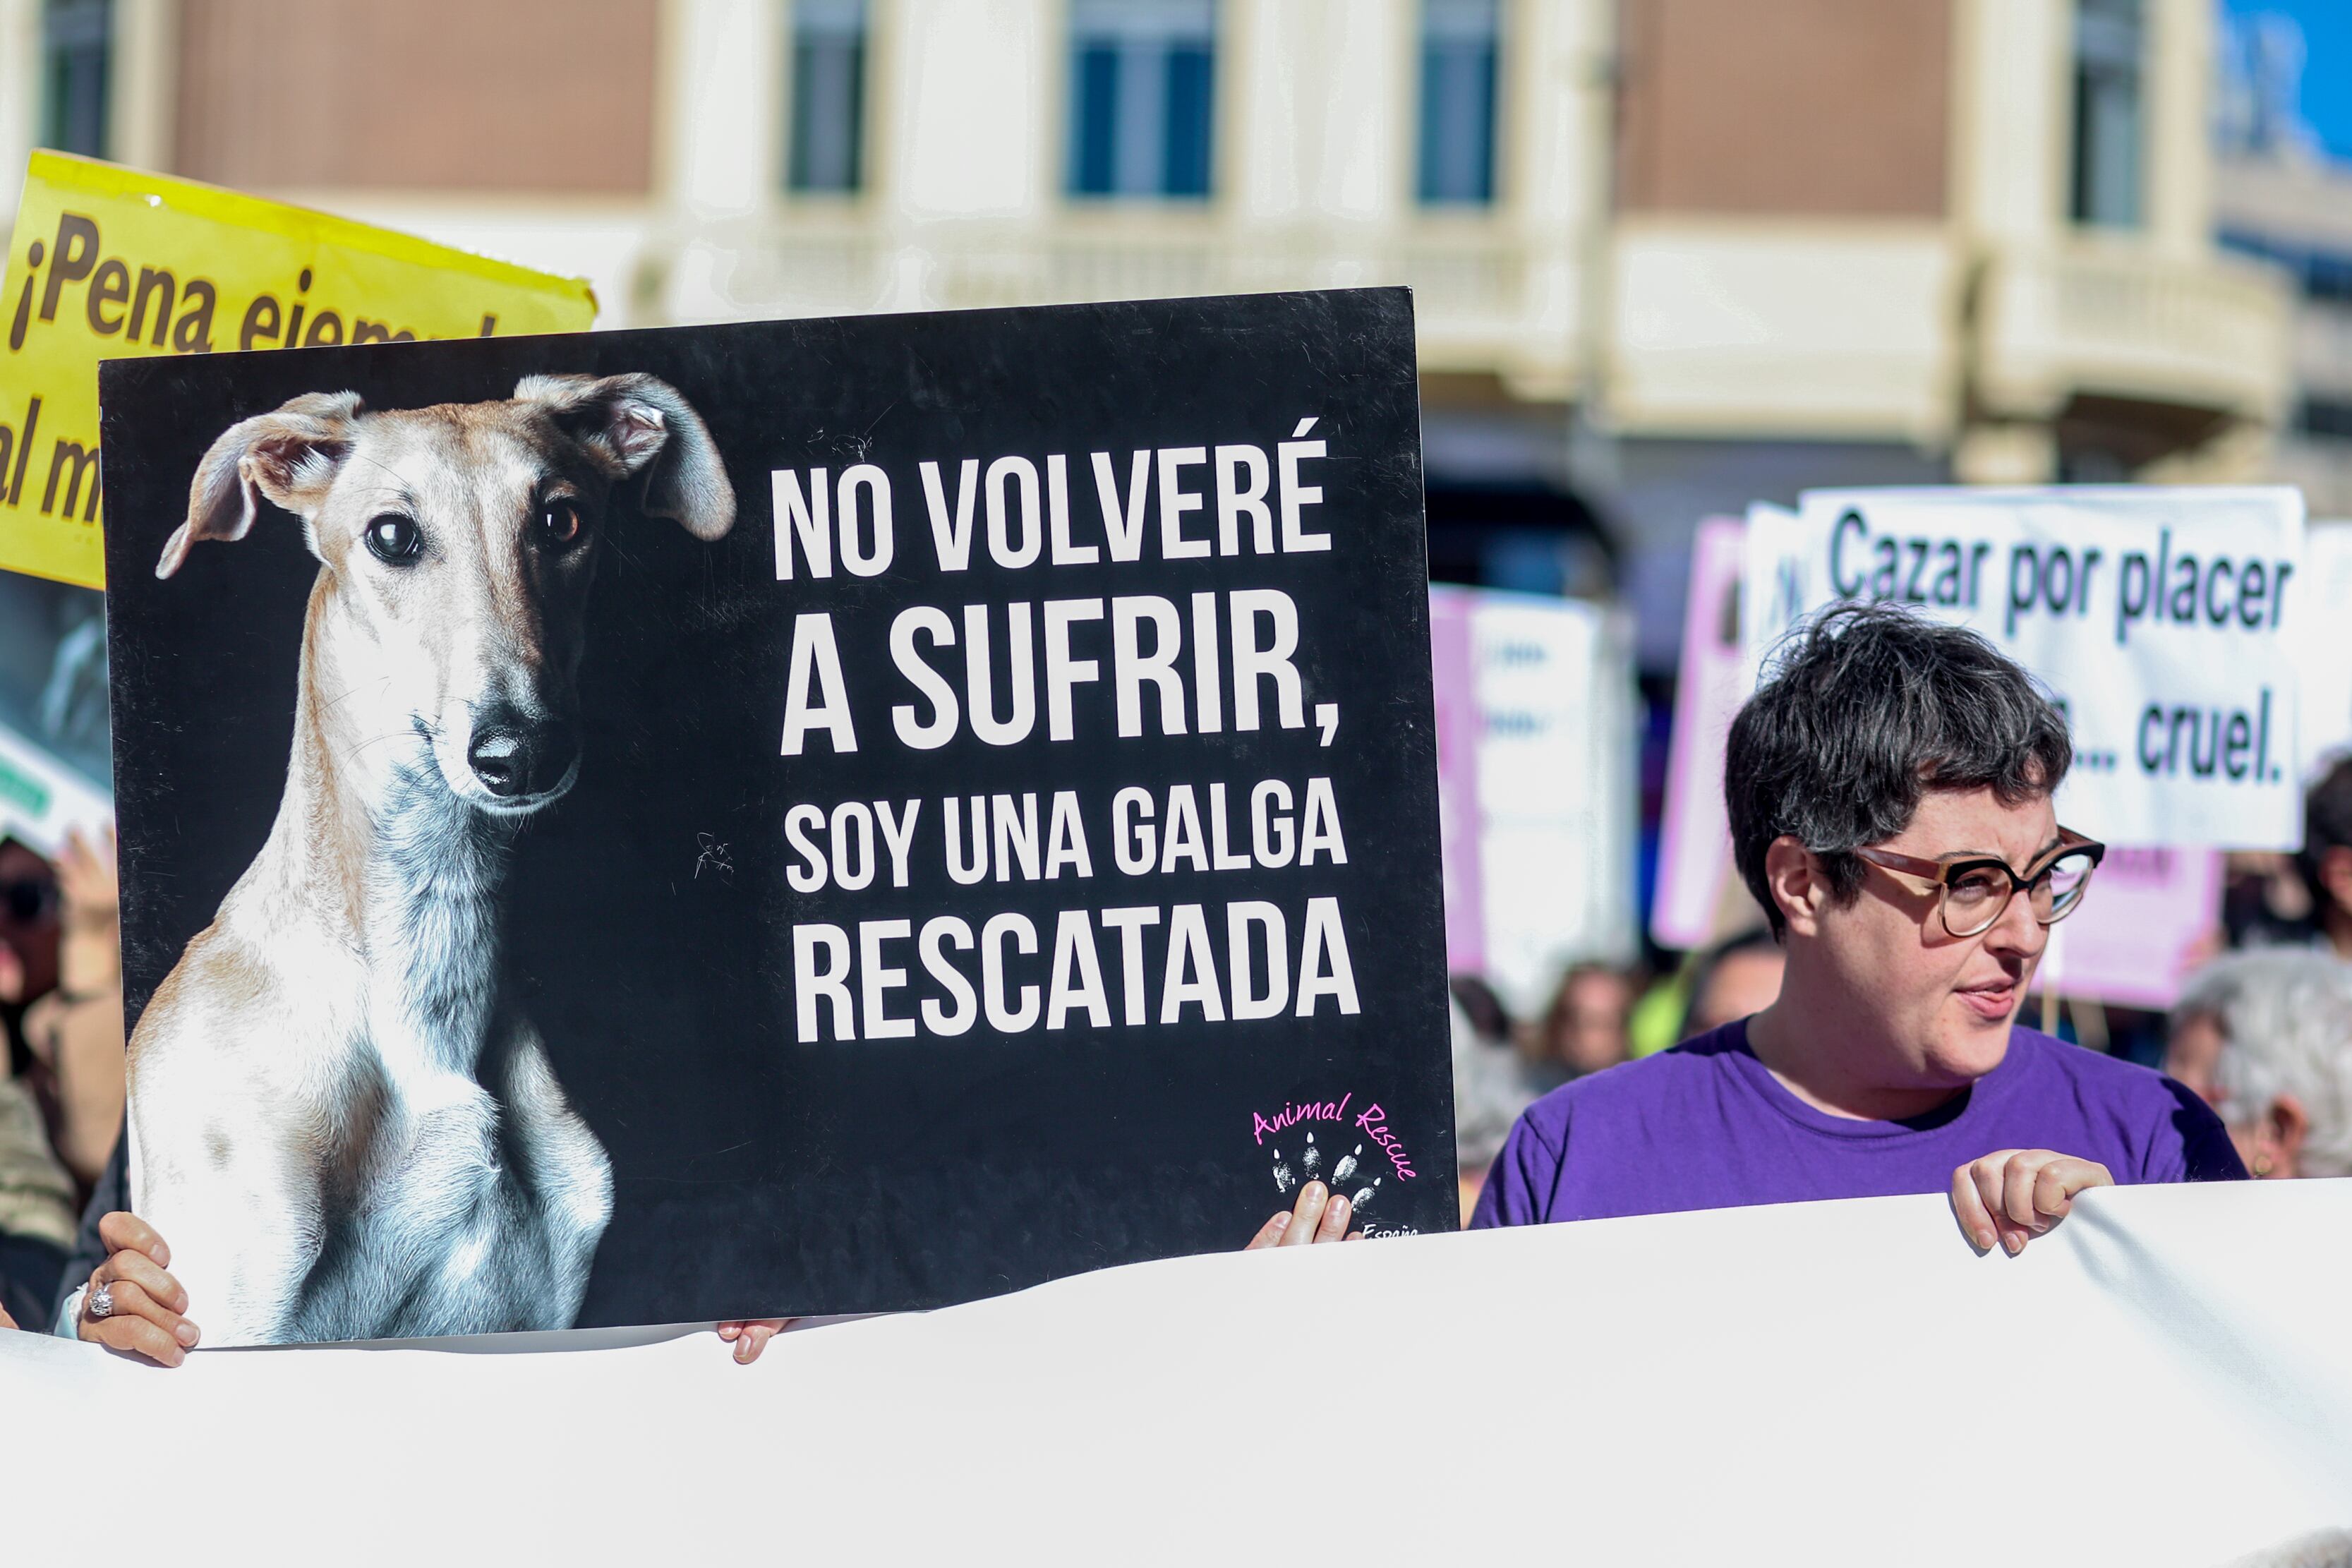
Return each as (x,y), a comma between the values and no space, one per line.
(102,1302)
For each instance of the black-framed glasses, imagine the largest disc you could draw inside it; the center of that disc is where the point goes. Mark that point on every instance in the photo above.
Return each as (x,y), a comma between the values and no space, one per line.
(1973,891)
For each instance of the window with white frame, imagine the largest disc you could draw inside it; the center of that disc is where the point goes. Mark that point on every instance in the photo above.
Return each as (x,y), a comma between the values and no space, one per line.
(2110,118)
(1142,82)
(1459,44)
(77,46)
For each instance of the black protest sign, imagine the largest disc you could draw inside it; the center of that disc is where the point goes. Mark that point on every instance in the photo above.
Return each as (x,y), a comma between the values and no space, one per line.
(794,817)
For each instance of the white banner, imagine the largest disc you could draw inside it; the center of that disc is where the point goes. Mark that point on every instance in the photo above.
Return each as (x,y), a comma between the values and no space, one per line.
(1536,778)
(2167,619)
(2166,1379)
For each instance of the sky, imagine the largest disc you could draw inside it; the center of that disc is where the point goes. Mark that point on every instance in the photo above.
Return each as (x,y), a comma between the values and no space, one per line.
(2328,68)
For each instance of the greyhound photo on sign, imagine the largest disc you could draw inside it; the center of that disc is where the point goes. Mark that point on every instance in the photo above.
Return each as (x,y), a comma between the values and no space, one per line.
(994,765)
(344,1118)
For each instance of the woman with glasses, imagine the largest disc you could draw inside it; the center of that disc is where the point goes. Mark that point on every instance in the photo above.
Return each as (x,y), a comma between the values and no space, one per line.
(1889,788)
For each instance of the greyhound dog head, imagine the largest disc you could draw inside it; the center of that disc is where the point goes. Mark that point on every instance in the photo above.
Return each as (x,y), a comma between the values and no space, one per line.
(456,546)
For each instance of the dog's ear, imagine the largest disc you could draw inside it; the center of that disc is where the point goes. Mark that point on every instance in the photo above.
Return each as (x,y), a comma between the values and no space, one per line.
(639,425)
(291,456)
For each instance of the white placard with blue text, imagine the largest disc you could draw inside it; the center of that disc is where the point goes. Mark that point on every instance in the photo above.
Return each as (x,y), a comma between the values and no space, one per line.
(2164,619)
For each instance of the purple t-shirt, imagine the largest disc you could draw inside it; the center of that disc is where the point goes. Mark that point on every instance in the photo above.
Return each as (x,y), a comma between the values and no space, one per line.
(1705,1125)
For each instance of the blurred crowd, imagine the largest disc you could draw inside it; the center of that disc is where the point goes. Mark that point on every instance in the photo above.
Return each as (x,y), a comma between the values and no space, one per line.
(2261,1030)
(61,1095)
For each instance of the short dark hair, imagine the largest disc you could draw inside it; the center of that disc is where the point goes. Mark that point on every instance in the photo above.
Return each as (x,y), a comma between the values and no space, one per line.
(2327,825)
(1860,714)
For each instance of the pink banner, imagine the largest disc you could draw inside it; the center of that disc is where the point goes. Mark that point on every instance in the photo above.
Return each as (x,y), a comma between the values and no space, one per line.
(1695,836)
(2150,919)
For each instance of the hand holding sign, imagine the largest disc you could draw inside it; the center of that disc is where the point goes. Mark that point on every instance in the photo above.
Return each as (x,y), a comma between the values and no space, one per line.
(131,1304)
(1319,1216)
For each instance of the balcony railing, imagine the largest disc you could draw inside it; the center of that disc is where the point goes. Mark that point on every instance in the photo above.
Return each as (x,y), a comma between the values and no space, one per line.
(1484,301)
(2208,333)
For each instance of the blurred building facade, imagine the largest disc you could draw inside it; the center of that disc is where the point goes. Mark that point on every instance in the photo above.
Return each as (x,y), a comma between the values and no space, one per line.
(2277,197)
(1668,255)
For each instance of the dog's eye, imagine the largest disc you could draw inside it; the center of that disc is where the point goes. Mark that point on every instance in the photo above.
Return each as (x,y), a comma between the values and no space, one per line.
(560,519)
(393,539)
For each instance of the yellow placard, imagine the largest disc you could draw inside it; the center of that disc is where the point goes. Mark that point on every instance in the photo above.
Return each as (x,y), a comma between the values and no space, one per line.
(109,262)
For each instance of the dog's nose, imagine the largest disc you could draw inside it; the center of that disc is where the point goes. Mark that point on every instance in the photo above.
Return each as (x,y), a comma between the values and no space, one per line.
(513,757)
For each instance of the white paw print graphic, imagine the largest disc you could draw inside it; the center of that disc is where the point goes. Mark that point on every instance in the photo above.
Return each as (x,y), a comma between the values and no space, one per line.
(1311,1168)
